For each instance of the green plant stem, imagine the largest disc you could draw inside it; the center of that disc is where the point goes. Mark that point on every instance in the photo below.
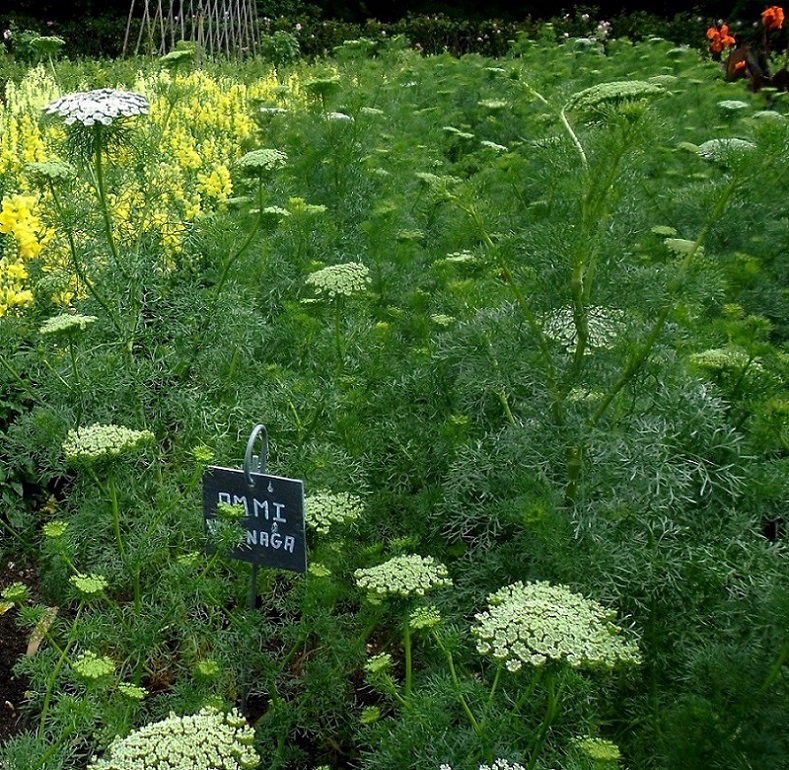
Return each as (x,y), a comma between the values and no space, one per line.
(63,555)
(775,670)
(229,262)
(459,692)
(536,328)
(77,382)
(55,672)
(116,518)
(637,360)
(79,272)
(491,694)
(563,117)
(502,396)
(408,660)
(47,755)
(98,165)
(594,220)
(529,691)
(13,372)
(338,334)
(642,353)
(551,712)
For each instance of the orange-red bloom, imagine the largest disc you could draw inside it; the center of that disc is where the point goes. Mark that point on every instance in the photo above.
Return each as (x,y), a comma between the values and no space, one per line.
(720,38)
(773,17)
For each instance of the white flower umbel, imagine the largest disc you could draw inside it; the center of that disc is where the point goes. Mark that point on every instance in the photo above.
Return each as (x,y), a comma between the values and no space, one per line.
(208,740)
(343,280)
(535,623)
(404,576)
(725,150)
(104,105)
(502,764)
(733,105)
(95,442)
(613,94)
(66,323)
(724,359)
(259,161)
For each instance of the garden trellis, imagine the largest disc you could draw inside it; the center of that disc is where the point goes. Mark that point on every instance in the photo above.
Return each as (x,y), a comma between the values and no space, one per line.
(218,27)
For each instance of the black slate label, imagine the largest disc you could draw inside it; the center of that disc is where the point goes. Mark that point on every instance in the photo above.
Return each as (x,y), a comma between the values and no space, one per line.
(273,517)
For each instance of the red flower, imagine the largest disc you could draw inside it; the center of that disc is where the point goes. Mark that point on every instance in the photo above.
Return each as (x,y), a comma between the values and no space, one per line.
(720,38)
(773,17)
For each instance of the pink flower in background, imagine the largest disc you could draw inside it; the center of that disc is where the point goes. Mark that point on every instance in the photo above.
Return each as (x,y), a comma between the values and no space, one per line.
(7,34)
(298,27)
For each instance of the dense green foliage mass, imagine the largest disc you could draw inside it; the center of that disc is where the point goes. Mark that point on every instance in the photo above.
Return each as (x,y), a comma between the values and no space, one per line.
(521,326)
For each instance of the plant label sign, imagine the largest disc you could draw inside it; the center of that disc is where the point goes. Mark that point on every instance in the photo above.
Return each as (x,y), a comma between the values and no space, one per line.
(273,519)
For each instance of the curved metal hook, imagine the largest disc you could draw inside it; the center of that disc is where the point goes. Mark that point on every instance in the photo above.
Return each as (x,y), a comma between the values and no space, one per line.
(254,464)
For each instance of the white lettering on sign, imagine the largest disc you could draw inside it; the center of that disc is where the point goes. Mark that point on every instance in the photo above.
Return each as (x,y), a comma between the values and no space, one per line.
(271,540)
(260,508)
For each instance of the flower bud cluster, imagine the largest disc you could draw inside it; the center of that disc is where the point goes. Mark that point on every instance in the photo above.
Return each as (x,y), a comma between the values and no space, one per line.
(323,509)
(208,740)
(598,749)
(404,576)
(91,666)
(55,171)
(424,617)
(55,529)
(342,280)
(96,442)
(379,663)
(132,691)
(16,593)
(103,106)
(539,622)
(502,764)
(89,585)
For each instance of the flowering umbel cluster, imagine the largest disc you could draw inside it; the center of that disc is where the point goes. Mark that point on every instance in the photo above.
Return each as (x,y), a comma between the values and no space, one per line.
(599,750)
(66,323)
(342,280)
(102,106)
(96,442)
(535,623)
(614,94)
(208,740)
(724,359)
(326,508)
(725,150)
(404,576)
(259,161)
(499,764)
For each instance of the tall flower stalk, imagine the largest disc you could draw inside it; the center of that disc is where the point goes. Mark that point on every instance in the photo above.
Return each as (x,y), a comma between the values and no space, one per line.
(94,448)
(403,578)
(96,119)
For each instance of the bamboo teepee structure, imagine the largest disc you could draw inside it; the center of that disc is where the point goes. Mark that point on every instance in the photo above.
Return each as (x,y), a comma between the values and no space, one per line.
(218,27)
